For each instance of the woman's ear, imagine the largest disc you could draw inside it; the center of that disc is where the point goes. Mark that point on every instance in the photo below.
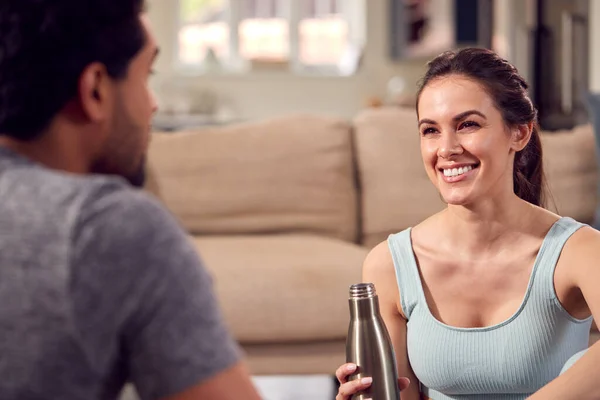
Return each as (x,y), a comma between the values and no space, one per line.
(520,135)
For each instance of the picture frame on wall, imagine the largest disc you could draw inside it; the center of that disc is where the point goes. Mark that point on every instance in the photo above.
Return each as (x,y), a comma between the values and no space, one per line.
(426,28)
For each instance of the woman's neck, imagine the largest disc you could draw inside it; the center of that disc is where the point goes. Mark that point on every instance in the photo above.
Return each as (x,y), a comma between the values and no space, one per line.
(484,229)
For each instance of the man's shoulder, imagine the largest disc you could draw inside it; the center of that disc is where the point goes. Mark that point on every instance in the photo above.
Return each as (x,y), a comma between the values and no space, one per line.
(115,207)
(102,204)
(49,200)
(30,183)
(91,194)
(111,193)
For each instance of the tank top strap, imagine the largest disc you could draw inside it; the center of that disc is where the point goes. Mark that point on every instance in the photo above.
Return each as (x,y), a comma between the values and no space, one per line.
(407,271)
(549,253)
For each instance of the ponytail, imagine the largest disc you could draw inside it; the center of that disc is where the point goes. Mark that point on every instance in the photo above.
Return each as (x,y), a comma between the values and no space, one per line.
(528,174)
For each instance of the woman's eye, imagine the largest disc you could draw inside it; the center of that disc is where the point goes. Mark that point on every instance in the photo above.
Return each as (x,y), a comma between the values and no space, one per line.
(468,124)
(427,131)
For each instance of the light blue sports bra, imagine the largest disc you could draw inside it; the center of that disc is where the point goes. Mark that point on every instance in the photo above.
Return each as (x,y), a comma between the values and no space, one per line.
(507,361)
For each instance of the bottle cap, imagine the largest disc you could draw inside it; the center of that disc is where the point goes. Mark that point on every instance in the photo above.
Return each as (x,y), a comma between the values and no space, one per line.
(362,291)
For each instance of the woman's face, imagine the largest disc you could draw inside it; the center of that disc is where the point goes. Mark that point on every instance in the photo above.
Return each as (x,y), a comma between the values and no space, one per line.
(467,149)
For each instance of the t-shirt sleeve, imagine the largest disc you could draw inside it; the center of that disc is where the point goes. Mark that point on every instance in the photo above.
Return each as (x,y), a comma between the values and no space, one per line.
(142,300)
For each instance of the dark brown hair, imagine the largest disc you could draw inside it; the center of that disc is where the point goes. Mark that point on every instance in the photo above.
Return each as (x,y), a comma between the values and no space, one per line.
(508,89)
(46,44)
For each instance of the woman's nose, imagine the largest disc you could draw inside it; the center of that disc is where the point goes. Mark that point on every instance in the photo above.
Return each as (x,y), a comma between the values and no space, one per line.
(449,145)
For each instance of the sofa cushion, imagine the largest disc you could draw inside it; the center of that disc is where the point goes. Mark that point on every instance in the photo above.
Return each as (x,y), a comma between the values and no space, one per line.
(571,171)
(396,192)
(282,288)
(290,174)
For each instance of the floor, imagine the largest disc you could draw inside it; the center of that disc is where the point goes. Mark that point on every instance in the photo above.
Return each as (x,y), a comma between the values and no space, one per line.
(319,387)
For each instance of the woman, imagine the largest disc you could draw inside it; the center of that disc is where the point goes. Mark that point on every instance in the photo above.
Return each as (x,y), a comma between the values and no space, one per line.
(490,297)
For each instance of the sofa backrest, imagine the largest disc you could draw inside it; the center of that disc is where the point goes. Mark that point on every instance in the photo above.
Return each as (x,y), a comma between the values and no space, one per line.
(289,174)
(572,173)
(396,192)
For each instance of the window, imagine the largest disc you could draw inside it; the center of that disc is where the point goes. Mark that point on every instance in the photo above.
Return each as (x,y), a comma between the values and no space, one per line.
(320,36)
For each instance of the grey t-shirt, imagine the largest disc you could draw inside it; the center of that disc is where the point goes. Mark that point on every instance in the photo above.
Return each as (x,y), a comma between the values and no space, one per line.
(98,286)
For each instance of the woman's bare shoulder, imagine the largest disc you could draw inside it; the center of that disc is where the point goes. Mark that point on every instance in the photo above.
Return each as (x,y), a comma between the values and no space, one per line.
(428,228)
(379,260)
(582,250)
(378,269)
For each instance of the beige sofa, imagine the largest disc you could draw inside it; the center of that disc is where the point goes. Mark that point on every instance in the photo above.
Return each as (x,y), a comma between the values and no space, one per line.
(284,211)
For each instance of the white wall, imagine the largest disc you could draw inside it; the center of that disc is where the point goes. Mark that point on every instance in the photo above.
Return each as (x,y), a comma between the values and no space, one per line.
(267,95)
(513,23)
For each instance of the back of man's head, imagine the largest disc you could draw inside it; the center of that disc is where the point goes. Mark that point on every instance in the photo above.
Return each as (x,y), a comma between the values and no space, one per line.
(46,44)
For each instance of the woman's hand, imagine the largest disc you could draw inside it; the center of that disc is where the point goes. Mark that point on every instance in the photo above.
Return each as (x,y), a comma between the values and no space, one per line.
(348,388)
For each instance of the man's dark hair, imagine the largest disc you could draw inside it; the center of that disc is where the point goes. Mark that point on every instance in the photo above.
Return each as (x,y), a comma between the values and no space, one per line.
(46,44)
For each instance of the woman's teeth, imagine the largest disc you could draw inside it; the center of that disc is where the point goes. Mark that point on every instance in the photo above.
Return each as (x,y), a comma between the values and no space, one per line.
(457,171)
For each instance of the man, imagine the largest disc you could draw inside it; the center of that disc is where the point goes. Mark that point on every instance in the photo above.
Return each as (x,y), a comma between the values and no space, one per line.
(98,284)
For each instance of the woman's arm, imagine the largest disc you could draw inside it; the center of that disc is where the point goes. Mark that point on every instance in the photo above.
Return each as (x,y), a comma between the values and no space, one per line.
(378,269)
(582,379)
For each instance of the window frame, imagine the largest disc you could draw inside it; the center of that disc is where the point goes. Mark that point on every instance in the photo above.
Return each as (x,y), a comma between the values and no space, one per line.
(355,16)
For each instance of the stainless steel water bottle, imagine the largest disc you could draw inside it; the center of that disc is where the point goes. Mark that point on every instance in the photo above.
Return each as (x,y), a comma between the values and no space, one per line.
(369,346)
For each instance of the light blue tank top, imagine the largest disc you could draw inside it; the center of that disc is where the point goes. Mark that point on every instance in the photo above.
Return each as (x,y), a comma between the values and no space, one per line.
(507,361)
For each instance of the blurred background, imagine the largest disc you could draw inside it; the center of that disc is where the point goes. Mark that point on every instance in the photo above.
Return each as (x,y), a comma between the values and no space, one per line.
(248,59)
(287,146)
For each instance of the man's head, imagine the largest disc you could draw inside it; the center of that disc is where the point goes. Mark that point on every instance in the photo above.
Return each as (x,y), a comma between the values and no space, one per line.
(82,67)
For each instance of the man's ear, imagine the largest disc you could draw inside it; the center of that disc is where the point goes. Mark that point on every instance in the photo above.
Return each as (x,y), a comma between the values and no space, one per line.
(94,91)
(520,135)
